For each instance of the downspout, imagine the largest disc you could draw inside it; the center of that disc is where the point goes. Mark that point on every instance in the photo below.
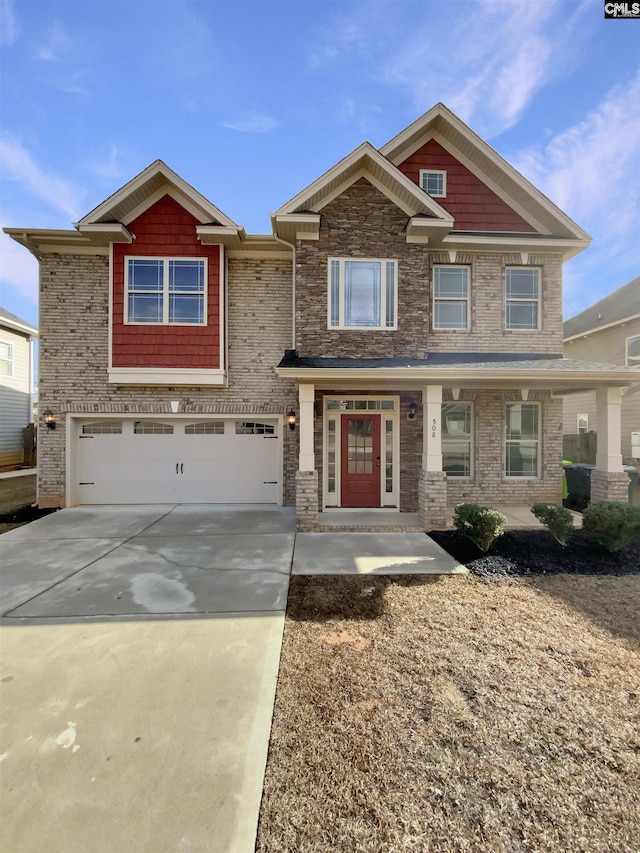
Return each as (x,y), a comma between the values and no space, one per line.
(293,288)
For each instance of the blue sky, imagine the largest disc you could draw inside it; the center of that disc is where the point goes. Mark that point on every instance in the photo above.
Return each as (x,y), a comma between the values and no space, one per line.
(251,101)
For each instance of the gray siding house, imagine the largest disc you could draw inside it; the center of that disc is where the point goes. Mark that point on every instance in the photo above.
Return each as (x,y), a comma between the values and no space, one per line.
(16,386)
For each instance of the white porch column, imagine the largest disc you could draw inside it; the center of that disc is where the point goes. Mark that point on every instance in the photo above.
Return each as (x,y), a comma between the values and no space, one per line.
(306,396)
(431,428)
(609,455)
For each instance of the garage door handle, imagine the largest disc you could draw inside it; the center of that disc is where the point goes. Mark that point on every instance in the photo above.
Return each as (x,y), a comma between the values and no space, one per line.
(181,468)
(176,467)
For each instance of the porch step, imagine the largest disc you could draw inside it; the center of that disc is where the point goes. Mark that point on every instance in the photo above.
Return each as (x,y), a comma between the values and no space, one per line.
(368,522)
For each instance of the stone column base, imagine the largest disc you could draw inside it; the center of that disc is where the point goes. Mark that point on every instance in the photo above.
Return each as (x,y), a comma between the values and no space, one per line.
(306,501)
(432,500)
(609,486)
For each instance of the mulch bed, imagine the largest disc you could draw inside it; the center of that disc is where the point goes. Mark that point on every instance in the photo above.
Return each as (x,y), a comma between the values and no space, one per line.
(533,552)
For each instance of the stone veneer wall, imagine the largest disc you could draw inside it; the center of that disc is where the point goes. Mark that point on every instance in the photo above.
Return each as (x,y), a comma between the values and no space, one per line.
(74,347)
(363,223)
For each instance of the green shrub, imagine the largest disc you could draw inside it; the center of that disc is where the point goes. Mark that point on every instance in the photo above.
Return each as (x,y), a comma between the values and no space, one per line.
(481,524)
(613,525)
(557,518)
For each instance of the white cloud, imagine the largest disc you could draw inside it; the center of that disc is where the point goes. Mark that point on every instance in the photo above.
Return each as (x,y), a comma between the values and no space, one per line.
(18,269)
(590,171)
(8,24)
(109,168)
(486,62)
(252,124)
(592,168)
(18,165)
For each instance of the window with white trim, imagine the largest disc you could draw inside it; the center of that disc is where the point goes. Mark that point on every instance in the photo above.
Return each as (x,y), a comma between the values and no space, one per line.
(522,295)
(434,182)
(633,351)
(103,428)
(166,291)
(6,358)
(450,297)
(457,439)
(522,440)
(362,293)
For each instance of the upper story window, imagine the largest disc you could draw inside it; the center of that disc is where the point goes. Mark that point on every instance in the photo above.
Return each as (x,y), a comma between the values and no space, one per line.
(522,294)
(166,290)
(362,294)
(633,351)
(450,297)
(6,358)
(434,182)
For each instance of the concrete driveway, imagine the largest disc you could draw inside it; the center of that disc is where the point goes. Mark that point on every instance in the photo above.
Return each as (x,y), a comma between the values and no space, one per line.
(139,657)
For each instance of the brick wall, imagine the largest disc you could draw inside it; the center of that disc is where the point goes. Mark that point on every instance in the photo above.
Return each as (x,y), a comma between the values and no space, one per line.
(489,485)
(363,223)
(74,356)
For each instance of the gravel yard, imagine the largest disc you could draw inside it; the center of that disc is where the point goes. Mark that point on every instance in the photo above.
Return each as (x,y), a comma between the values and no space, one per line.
(463,713)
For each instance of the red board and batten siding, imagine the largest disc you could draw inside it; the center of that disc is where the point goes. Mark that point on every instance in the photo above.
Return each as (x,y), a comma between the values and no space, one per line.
(472,204)
(166,229)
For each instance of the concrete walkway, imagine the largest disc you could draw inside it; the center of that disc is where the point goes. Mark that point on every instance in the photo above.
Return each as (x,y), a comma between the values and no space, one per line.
(138,666)
(139,657)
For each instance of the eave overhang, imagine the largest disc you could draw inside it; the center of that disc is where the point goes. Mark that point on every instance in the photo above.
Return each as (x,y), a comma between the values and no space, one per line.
(468,241)
(229,237)
(295,217)
(105,233)
(558,376)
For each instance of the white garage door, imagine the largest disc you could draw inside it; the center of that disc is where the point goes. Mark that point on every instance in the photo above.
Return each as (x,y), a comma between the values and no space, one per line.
(124,461)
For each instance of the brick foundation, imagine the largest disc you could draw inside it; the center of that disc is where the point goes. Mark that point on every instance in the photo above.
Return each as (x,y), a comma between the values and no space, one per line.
(306,501)
(609,486)
(432,500)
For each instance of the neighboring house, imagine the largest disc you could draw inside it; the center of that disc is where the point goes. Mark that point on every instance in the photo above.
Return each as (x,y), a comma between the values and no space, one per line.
(16,386)
(395,342)
(608,331)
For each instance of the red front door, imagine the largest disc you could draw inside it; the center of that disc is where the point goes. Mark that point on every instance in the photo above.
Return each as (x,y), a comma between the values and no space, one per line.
(360,453)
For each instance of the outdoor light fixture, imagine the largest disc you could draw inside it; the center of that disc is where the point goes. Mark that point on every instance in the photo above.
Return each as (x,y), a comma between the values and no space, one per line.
(411,414)
(291,419)
(49,418)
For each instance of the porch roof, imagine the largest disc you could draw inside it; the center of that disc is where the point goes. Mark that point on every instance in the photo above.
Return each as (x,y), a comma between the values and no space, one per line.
(459,369)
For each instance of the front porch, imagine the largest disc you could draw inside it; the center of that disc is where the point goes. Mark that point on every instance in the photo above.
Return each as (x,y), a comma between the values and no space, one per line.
(383,521)
(392,444)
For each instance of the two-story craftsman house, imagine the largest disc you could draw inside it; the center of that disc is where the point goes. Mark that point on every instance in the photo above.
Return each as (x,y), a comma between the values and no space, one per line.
(396,342)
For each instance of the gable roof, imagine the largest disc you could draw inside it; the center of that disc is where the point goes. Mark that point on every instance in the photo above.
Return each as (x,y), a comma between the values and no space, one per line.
(140,192)
(364,161)
(16,324)
(620,306)
(455,136)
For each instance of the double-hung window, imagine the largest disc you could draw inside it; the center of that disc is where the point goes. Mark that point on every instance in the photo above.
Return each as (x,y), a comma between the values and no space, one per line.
(522,442)
(457,438)
(167,291)
(362,294)
(450,297)
(6,358)
(522,292)
(434,182)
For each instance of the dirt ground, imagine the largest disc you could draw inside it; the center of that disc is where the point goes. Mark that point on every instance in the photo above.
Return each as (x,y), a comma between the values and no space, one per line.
(457,714)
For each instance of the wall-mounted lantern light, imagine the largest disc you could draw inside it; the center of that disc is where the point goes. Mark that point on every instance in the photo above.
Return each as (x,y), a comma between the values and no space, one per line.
(291,419)
(411,413)
(49,418)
